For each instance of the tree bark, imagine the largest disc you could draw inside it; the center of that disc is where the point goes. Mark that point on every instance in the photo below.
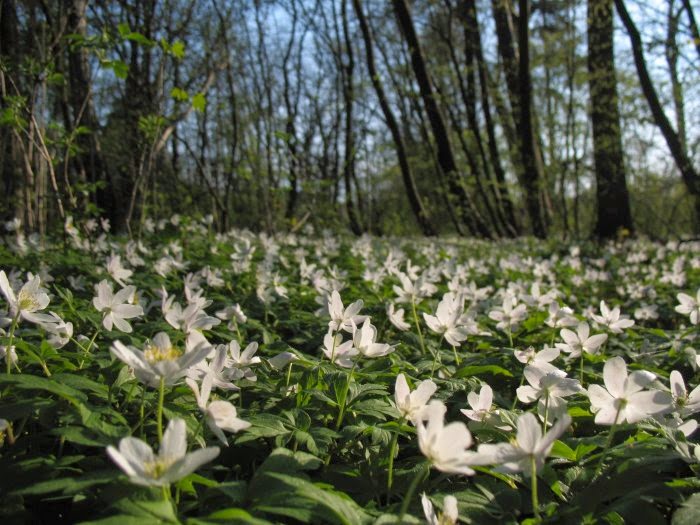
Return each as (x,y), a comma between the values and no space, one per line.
(532,173)
(613,213)
(466,213)
(690,176)
(414,198)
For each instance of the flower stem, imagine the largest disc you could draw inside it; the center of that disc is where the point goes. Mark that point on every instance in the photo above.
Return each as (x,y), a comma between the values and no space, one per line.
(344,398)
(415,320)
(159,416)
(604,454)
(510,335)
(11,338)
(392,453)
(457,359)
(335,332)
(420,475)
(533,485)
(581,379)
(515,399)
(546,413)
(88,348)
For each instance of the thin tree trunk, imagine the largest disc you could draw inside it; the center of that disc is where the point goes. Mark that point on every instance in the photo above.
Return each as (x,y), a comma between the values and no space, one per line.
(688,172)
(466,213)
(414,198)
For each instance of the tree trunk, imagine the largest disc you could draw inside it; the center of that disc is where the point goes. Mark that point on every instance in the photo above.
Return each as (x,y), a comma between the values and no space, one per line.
(613,212)
(532,173)
(457,191)
(688,172)
(414,198)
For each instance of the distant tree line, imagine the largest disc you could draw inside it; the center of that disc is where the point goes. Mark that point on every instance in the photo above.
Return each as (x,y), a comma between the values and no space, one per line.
(486,118)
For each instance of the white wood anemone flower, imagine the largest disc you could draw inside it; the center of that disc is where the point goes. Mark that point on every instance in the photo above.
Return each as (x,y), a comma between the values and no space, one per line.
(480,404)
(344,318)
(445,446)
(689,306)
(115,307)
(31,297)
(575,343)
(412,404)
(449,514)
(364,341)
(686,404)
(219,415)
(159,359)
(172,463)
(623,398)
(529,446)
(446,320)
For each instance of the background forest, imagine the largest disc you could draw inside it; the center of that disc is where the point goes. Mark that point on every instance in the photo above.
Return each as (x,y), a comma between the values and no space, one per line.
(491,118)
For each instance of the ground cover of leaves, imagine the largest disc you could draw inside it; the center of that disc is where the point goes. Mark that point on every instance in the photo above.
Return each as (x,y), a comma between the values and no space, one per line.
(315,378)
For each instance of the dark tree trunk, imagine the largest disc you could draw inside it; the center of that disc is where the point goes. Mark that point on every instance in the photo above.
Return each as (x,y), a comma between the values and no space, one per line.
(460,198)
(412,193)
(89,162)
(532,173)
(473,35)
(690,176)
(348,67)
(613,198)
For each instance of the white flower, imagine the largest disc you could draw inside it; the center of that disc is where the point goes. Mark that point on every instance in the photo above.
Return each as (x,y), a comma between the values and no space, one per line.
(232,312)
(624,398)
(612,319)
(159,359)
(61,332)
(240,362)
(13,353)
(508,315)
(191,319)
(549,388)
(541,359)
(689,306)
(282,359)
(446,446)
(412,404)
(31,297)
(530,445)
(560,317)
(480,404)
(339,352)
(220,415)
(172,463)
(579,341)
(364,340)
(449,515)
(115,307)
(117,271)
(410,291)
(396,317)
(686,404)
(447,318)
(343,318)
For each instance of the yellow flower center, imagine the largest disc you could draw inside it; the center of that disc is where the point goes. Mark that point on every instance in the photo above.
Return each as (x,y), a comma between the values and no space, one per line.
(155,354)
(27,302)
(155,469)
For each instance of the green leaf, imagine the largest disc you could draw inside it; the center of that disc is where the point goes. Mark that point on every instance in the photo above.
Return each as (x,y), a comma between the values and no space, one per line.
(179,94)
(199,102)
(68,485)
(178,49)
(562,450)
(689,513)
(478,370)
